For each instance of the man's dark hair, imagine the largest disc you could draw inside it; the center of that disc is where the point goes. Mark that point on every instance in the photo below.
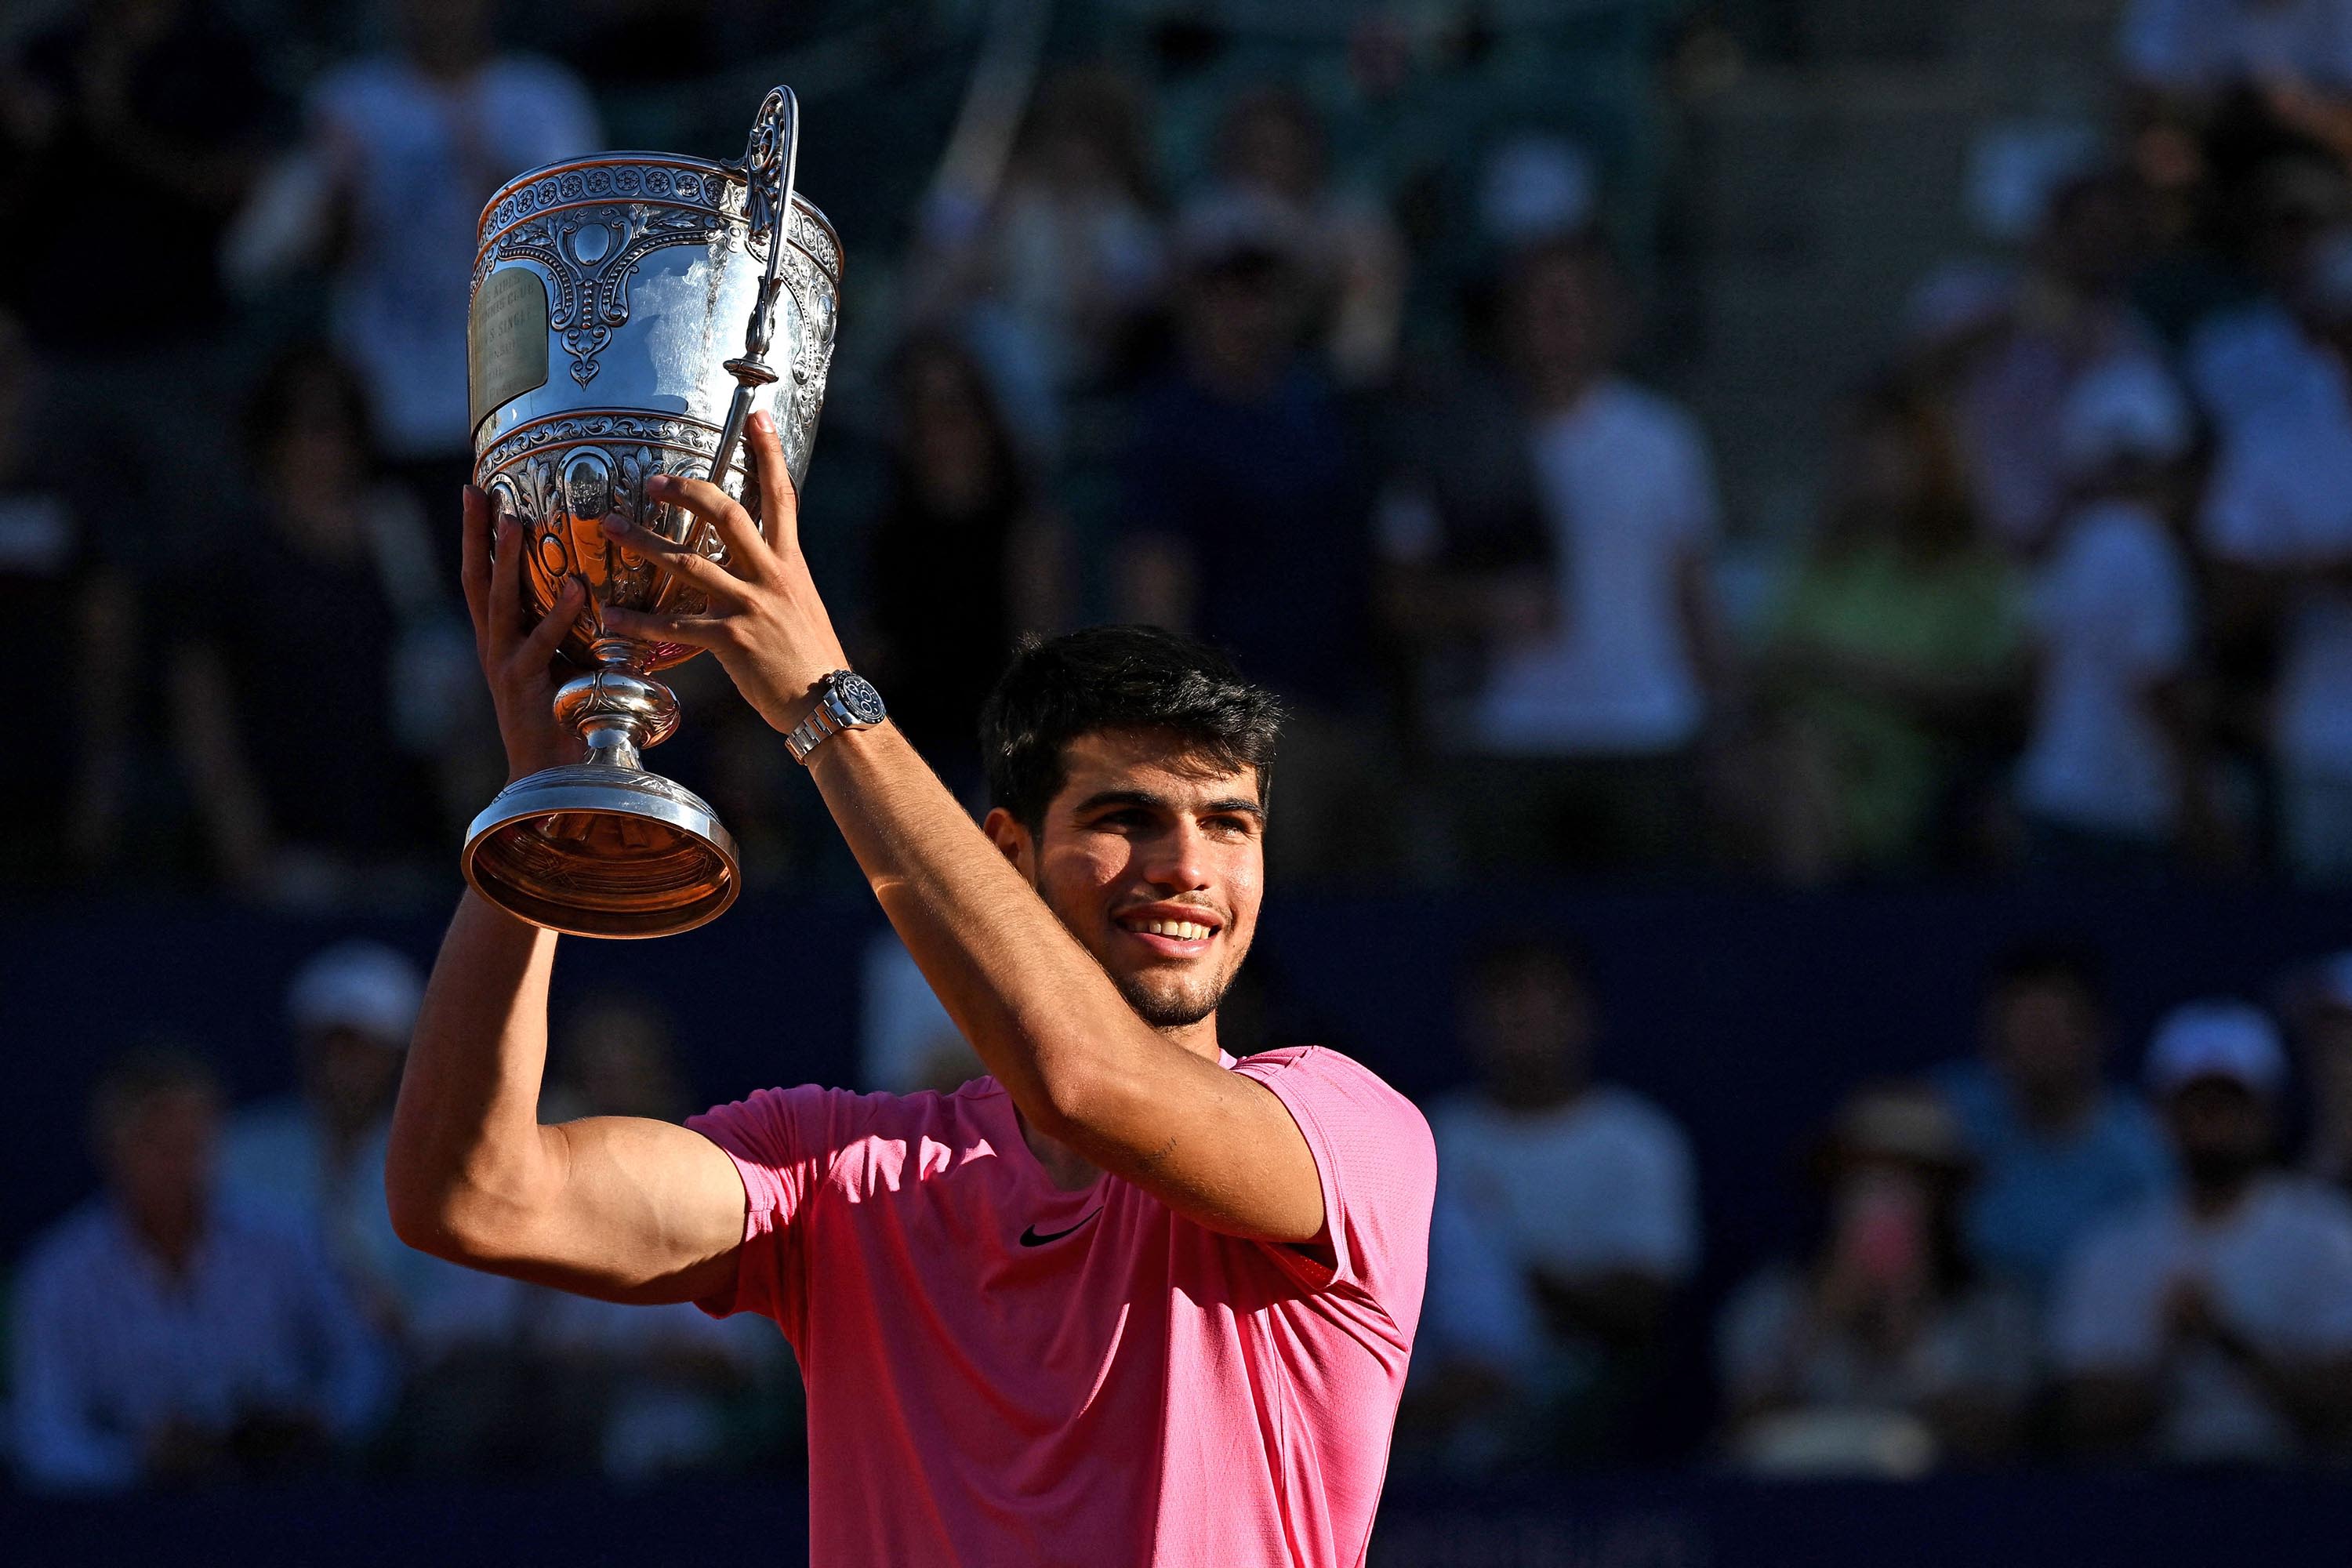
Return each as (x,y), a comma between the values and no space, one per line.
(1509,955)
(2048,964)
(144,1073)
(1117,677)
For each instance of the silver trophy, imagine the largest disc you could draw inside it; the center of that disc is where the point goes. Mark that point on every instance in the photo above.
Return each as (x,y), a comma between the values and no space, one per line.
(623,306)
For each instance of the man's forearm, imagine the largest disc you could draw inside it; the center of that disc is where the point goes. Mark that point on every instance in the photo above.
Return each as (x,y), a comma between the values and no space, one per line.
(467,1125)
(1041,1013)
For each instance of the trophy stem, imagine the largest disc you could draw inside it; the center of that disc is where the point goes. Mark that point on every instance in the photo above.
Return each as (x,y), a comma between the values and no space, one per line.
(618,709)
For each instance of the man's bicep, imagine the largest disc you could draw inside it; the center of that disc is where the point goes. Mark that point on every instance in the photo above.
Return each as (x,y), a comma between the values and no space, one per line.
(1226,1152)
(652,1212)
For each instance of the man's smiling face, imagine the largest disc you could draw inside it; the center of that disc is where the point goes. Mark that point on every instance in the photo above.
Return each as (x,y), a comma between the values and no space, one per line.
(1154,858)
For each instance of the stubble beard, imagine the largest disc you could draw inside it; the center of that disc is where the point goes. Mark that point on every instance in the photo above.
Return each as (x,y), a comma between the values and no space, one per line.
(1179,1007)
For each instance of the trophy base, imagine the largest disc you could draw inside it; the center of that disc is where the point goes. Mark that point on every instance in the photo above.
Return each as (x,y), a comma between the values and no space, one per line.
(596,849)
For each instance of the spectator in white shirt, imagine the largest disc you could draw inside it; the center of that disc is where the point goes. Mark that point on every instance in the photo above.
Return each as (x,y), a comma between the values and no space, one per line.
(403,150)
(1561,520)
(2108,773)
(2214,1327)
(1570,1212)
(2277,520)
(162,1332)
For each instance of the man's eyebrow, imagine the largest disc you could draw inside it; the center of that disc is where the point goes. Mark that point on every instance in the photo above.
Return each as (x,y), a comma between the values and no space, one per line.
(1151,801)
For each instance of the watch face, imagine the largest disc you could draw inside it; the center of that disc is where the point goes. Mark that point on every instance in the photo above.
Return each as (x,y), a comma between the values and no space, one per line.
(857,694)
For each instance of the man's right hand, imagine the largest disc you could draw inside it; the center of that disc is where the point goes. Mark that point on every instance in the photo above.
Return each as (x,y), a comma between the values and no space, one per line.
(519,665)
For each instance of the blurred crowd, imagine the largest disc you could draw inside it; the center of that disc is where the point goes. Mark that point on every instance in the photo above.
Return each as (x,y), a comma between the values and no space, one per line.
(2069,1247)
(2074,600)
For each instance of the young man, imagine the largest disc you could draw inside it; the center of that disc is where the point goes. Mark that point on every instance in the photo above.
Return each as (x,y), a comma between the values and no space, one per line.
(1124,1300)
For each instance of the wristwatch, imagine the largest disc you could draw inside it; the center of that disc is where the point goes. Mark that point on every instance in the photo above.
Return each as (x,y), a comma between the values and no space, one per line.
(844,700)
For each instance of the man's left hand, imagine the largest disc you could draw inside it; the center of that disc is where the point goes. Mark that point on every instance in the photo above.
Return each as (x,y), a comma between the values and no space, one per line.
(761,618)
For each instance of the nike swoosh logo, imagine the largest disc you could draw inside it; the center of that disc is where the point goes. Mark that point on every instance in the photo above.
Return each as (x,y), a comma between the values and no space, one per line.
(1031,1239)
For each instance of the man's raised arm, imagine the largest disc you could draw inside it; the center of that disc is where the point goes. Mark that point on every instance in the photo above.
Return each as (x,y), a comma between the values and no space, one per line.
(1037,1006)
(619,1207)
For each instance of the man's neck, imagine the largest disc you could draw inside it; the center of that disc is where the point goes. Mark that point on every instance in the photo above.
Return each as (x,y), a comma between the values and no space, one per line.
(2055,1115)
(2218,1200)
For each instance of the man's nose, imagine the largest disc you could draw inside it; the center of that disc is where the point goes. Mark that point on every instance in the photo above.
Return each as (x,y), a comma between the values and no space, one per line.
(1179,859)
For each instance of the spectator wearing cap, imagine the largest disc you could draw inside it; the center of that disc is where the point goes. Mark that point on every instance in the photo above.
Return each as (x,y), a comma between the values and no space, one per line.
(2113,777)
(2058,1149)
(1550,529)
(1246,517)
(2214,1326)
(1889,1352)
(1568,1223)
(2277,519)
(315,1157)
(166,1332)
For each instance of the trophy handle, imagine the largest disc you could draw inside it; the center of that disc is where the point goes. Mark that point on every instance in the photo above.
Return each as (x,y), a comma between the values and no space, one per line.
(770,165)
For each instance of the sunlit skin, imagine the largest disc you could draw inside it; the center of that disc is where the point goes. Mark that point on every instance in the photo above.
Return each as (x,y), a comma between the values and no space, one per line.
(1138,836)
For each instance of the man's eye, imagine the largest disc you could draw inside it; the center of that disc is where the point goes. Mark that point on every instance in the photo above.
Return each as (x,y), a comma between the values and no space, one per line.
(1229,827)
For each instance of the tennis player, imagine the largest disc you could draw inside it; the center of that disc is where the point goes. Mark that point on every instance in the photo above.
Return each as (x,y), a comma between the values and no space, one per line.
(1124,1300)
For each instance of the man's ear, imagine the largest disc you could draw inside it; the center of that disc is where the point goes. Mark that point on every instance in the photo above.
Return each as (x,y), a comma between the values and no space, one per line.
(1012,840)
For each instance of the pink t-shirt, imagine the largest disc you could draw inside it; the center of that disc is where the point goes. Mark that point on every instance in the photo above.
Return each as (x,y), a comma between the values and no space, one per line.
(1002,1371)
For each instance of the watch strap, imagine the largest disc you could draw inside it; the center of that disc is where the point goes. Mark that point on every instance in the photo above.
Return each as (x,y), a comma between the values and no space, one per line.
(827,718)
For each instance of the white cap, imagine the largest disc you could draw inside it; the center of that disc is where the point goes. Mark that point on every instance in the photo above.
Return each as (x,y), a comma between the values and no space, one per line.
(1536,188)
(2128,407)
(362,985)
(2222,1038)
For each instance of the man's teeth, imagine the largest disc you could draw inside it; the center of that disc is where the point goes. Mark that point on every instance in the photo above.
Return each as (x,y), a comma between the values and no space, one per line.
(1182,930)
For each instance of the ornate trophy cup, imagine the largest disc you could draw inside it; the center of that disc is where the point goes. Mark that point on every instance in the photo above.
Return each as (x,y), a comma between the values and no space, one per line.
(610,296)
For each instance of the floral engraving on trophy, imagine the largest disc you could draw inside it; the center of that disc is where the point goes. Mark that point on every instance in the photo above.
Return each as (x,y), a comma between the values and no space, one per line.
(589,256)
(562,498)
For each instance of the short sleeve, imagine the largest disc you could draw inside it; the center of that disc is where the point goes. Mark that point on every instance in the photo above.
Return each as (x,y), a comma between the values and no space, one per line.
(1378,1166)
(772,1138)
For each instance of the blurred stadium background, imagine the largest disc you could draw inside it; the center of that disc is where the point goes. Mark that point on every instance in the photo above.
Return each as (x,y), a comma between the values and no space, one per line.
(1810,546)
